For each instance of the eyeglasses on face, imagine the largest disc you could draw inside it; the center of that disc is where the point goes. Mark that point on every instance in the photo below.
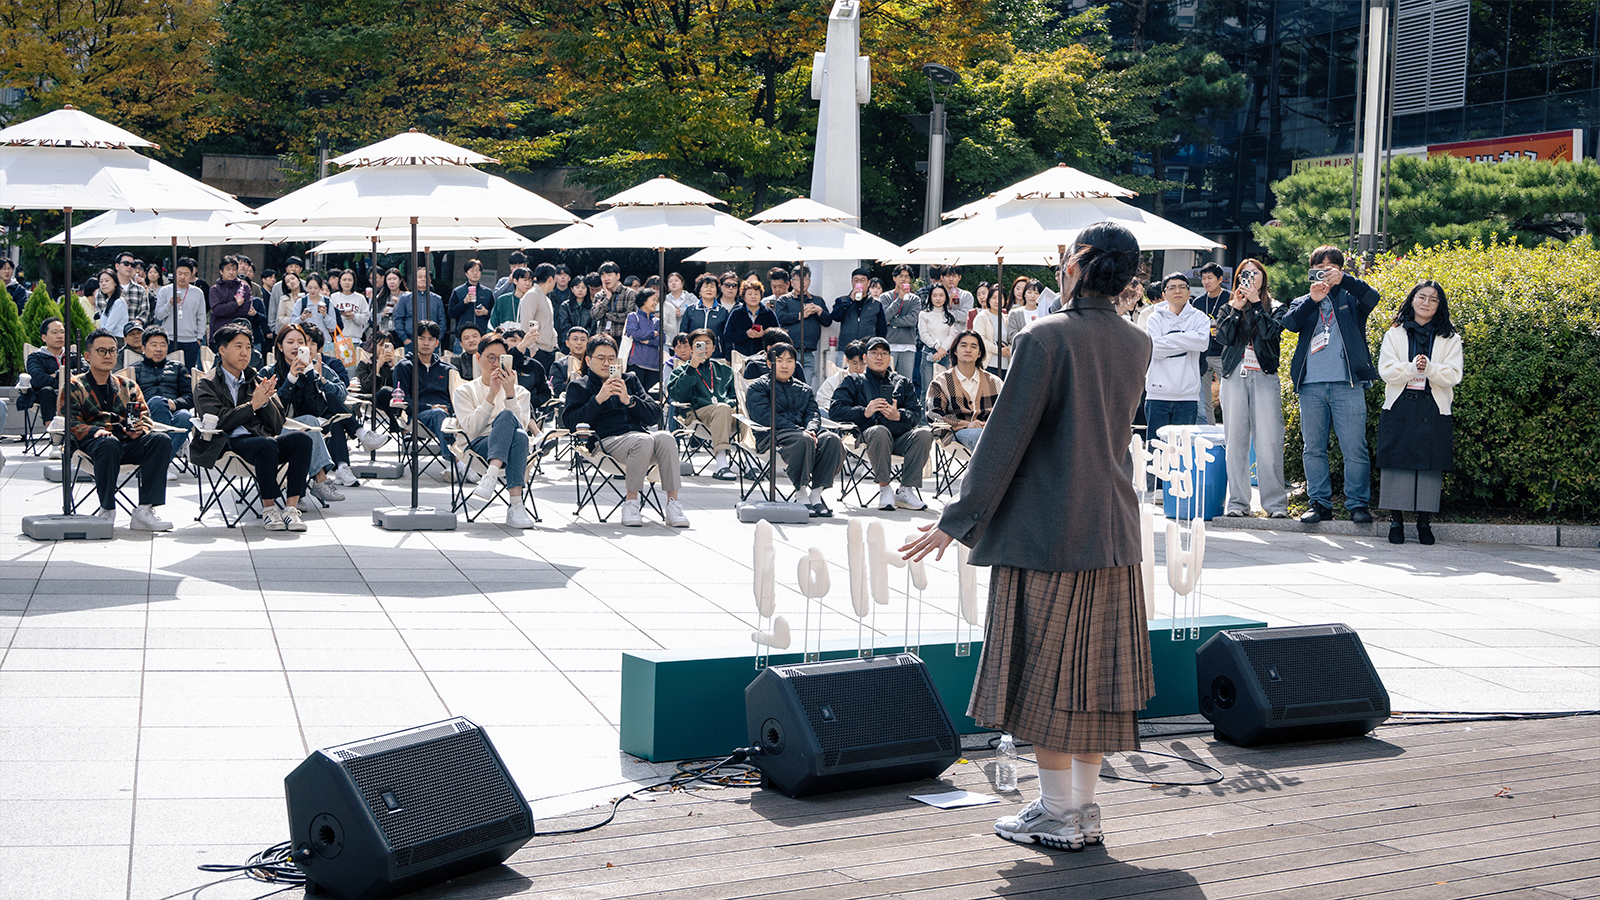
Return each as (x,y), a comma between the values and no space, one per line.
(104,351)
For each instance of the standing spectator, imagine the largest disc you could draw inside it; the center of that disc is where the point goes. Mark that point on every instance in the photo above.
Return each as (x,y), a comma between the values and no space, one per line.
(128,273)
(708,314)
(614,405)
(728,283)
(576,309)
(937,326)
(799,311)
(1212,302)
(989,321)
(677,301)
(14,288)
(812,456)
(430,402)
(613,302)
(778,278)
(1331,368)
(1027,310)
(354,310)
(859,314)
(181,311)
(250,423)
(506,305)
(1421,363)
(153,277)
(562,292)
(538,316)
(111,304)
(383,302)
(855,362)
(430,308)
(287,304)
(742,331)
(294,265)
(963,396)
(901,309)
(471,302)
(111,423)
(1049,503)
(1252,396)
(515,261)
(493,411)
(314,308)
(705,384)
(1179,333)
(961,302)
(884,405)
(644,327)
(980,301)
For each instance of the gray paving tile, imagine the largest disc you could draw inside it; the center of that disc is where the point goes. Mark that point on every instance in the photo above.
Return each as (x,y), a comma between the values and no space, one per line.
(64,872)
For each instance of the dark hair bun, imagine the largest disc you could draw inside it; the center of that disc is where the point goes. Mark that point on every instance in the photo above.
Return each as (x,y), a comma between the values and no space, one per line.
(1107,258)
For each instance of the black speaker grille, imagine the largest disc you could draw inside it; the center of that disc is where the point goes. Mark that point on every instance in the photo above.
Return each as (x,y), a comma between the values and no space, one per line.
(1297,667)
(867,705)
(1317,710)
(445,786)
(483,834)
(885,751)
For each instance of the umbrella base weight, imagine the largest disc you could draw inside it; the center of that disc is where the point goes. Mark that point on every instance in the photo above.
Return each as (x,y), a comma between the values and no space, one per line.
(776,513)
(52,474)
(66,528)
(413,518)
(377,470)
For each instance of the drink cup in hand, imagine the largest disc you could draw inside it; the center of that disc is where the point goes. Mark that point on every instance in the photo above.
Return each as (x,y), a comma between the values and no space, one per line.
(208,422)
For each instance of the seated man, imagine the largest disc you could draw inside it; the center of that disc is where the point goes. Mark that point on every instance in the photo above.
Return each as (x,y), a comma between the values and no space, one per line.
(492,410)
(431,405)
(569,365)
(963,397)
(681,351)
(133,336)
(523,347)
(811,455)
(166,386)
(615,407)
(111,423)
(756,366)
(375,375)
(883,404)
(706,385)
(250,423)
(468,335)
(855,363)
(44,371)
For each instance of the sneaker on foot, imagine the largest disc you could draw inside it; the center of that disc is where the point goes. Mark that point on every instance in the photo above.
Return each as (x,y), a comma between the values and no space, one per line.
(675,516)
(630,514)
(906,498)
(1361,515)
(325,491)
(110,515)
(371,440)
(345,476)
(488,484)
(465,475)
(1034,824)
(144,518)
(885,499)
(518,517)
(1089,823)
(292,520)
(274,518)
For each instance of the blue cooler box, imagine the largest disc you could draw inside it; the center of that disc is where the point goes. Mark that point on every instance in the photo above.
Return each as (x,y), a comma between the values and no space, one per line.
(1216,494)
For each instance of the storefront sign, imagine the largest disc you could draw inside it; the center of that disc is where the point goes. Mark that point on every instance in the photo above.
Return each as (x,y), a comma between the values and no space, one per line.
(1552,146)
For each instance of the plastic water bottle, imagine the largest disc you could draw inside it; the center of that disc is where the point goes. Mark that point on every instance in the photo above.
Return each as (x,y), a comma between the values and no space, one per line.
(1005,768)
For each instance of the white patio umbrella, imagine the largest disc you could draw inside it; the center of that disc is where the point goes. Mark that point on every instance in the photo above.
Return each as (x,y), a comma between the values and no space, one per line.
(70,160)
(412,180)
(431,239)
(822,233)
(1062,182)
(187,228)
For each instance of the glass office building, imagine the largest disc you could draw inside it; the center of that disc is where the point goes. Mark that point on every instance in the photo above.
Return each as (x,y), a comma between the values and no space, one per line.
(1465,71)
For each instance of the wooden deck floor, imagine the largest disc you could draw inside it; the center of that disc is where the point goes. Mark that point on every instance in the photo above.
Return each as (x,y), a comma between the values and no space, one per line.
(1422,812)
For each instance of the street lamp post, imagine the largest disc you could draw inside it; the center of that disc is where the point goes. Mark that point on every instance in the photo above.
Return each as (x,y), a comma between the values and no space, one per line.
(938,77)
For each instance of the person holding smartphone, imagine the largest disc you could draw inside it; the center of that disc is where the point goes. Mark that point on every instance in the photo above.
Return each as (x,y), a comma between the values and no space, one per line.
(493,411)
(705,384)
(1249,327)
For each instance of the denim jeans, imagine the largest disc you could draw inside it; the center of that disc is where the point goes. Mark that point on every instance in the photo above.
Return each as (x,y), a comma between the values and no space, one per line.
(1161,413)
(506,441)
(1252,413)
(161,411)
(1341,408)
(968,437)
(321,459)
(434,420)
(905,362)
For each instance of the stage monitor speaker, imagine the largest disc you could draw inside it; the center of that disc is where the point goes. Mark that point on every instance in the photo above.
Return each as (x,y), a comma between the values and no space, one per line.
(390,814)
(1268,685)
(832,726)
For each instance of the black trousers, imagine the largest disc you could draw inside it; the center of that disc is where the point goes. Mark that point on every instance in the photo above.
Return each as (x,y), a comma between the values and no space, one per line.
(150,453)
(810,463)
(265,455)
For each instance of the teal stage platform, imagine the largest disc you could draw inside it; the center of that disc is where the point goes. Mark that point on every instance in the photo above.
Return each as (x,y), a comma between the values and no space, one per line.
(689,704)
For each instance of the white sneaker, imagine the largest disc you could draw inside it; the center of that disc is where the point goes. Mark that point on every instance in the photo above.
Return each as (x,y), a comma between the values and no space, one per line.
(292,520)
(1089,823)
(1033,824)
(518,516)
(325,491)
(906,498)
(630,514)
(487,485)
(274,518)
(675,516)
(345,476)
(371,440)
(144,518)
(465,475)
(885,499)
(110,515)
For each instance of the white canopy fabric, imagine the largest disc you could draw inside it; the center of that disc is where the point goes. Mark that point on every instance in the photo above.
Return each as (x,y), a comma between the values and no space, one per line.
(819,241)
(1059,183)
(40,176)
(660,227)
(387,196)
(432,239)
(803,209)
(189,228)
(1038,225)
(70,128)
(662,191)
(936,258)
(412,148)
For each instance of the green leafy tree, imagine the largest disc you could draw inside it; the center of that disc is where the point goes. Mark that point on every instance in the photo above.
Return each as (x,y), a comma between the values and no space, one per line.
(11,338)
(38,308)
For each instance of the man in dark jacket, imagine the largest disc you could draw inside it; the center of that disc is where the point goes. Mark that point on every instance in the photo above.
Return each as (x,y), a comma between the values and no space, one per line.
(44,370)
(884,405)
(811,456)
(231,300)
(705,385)
(471,303)
(166,385)
(859,315)
(1331,368)
(14,288)
(804,316)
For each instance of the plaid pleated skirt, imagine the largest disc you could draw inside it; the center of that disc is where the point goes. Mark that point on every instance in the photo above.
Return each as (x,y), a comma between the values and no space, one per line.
(1066,659)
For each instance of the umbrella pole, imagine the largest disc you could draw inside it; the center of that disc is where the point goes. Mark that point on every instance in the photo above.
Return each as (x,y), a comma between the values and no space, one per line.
(1000,317)
(67,363)
(661,332)
(173,337)
(416,371)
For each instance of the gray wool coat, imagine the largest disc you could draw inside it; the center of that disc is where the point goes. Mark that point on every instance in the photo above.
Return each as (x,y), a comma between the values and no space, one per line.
(1050,487)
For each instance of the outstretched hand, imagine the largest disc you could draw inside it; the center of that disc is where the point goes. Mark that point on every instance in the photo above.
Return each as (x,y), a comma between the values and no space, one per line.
(932,541)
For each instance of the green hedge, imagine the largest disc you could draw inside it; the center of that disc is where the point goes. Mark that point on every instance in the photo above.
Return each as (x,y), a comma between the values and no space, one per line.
(1527,412)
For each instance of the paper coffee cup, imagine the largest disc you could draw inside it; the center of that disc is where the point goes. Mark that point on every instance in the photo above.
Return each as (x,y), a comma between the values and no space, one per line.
(208,422)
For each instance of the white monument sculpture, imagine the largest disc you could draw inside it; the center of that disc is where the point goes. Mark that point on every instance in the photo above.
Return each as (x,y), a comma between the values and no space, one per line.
(841,79)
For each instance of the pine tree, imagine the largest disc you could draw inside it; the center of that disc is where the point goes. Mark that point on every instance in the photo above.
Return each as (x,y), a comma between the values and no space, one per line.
(39,308)
(11,339)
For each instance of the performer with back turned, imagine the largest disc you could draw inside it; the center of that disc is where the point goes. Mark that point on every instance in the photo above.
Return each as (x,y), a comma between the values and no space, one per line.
(1049,503)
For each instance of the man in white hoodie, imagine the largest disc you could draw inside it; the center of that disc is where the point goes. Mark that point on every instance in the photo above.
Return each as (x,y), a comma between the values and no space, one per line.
(1180,333)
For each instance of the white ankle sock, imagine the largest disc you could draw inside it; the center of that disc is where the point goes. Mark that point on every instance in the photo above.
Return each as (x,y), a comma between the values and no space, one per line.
(1084,779)
(816,496)
(721,460)
(1055,789)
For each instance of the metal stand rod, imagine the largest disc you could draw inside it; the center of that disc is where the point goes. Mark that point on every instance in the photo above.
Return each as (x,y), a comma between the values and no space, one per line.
(69,366)
(416,361)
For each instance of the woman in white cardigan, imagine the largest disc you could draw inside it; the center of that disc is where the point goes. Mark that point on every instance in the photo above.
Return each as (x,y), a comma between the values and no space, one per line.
(492,410)
(1420,363)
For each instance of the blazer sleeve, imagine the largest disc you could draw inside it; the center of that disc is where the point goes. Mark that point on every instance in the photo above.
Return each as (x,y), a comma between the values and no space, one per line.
(1006,437)
(1393,367)
(1446,369)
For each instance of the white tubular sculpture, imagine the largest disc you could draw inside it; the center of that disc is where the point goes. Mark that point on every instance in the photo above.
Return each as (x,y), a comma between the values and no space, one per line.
(966,600)
(856,541)
(812,577)
(772,632)
(1147,525)
(1181,457)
